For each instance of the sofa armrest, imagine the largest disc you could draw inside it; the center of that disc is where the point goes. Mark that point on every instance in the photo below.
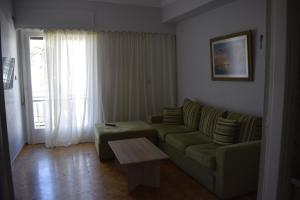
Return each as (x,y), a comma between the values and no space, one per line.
(155,119)
(237,169)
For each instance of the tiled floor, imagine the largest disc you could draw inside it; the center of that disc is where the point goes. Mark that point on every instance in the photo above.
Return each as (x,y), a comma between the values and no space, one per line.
(76,173)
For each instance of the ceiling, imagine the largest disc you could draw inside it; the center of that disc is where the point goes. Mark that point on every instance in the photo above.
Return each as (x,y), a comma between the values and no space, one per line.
(150,3)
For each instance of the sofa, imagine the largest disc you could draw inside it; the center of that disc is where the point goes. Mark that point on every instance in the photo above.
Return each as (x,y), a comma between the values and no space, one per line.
(228,169)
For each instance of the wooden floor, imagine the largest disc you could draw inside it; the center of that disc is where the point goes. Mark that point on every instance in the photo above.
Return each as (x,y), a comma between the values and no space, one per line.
(76,173)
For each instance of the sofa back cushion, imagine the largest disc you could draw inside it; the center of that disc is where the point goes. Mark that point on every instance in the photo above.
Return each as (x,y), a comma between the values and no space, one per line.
(191,113)
(226,131)
(208,120)
(250,127)
(173,116)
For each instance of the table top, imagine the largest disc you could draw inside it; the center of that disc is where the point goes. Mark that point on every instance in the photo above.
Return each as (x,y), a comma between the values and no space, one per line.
(136,150)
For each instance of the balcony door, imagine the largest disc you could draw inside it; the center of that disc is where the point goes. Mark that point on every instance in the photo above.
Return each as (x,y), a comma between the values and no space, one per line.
(35,86)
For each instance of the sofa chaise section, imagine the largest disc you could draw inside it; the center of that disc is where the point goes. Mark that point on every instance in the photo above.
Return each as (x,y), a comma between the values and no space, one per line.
(122,130)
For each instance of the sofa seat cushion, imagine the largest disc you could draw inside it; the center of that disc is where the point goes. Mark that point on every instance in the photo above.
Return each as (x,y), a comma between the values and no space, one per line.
(163,130)
(124,130)
(183,140)
(204,154)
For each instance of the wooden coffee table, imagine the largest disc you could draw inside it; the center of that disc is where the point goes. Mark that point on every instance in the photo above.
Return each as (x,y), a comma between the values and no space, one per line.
(140,159)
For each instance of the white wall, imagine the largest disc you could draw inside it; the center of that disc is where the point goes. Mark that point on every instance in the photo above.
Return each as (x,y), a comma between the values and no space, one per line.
(12,97)
(179,10)
(89,15)
(193,50)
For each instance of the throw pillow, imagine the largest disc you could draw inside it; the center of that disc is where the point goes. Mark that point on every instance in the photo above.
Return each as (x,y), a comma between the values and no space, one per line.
(173,116)
(191,113)
(208,120)
(226,131)
(250,126)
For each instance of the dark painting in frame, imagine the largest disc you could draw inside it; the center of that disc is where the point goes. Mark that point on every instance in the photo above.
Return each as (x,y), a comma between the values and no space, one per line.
(231,57)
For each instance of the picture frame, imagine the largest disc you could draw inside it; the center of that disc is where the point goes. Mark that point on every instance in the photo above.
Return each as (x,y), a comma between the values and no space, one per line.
(231,57)
(8,67)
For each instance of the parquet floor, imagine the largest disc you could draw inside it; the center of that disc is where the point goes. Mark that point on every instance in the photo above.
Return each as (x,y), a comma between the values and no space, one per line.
(75,173)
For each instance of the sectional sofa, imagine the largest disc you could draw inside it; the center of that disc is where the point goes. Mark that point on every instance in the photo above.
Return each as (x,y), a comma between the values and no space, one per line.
(227,168)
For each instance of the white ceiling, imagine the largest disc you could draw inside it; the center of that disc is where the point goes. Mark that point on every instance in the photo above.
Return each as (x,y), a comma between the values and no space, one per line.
(150,3)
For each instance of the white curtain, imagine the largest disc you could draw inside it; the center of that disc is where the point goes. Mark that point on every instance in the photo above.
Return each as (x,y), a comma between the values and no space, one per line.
(106,76)
(74,103)
(138,74)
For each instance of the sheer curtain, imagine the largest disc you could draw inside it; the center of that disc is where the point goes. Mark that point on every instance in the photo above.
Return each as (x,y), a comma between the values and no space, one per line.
(106,76)
(138,74)
(74,103)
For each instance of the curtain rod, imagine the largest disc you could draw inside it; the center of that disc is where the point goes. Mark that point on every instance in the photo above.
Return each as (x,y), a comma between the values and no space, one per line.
(92,30)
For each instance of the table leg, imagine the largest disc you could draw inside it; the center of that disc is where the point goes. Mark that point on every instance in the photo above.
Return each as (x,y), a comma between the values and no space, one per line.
(147,173)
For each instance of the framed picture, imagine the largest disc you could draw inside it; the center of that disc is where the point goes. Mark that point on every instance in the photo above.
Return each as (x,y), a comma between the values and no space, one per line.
(8,66)
(231,57)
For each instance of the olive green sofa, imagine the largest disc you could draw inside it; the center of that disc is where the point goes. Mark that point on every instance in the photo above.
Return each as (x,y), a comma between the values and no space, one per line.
(226,170)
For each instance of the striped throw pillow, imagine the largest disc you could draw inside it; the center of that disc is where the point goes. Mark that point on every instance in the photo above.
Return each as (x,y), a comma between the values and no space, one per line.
(226,131)
(250,127)
(208,120)
(191,114)
(173,116)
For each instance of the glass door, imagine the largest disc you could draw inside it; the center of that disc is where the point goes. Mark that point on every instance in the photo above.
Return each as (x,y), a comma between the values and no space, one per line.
(37,87)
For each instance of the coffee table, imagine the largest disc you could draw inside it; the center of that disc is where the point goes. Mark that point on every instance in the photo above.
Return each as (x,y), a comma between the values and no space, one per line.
(140,159)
